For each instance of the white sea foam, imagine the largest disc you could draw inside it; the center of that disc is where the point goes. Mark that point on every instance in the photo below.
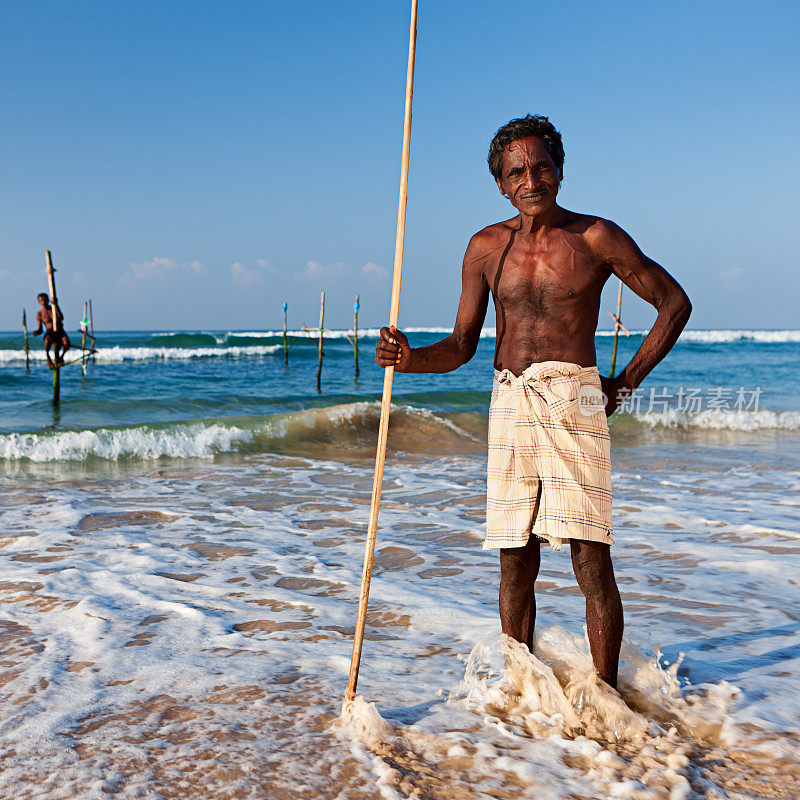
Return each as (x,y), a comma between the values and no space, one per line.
(182,441)
(116,355)
(722,336)
(191,627)
(722,419)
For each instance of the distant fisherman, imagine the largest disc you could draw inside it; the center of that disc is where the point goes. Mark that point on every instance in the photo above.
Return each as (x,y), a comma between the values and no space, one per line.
(53,325)
(549,475)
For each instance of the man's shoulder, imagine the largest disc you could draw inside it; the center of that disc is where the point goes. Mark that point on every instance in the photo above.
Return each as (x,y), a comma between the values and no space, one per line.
(493,236)
(594,229)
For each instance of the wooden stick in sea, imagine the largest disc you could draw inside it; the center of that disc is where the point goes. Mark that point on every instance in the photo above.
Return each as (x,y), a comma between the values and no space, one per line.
(617,325)
(91,325)
(356,306)
(51,281)
(26,346)
(386,401)
(285,336)
(84,324)
(321,329)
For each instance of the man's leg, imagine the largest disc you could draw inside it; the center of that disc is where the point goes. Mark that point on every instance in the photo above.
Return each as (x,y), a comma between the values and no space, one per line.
(519,567)
(65,343)
(48,343)
(591,562)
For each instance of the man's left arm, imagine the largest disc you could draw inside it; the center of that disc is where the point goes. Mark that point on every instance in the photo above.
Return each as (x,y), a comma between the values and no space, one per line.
(652,283)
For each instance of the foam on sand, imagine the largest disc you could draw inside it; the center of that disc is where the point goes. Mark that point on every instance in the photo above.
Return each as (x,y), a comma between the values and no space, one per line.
(545,720)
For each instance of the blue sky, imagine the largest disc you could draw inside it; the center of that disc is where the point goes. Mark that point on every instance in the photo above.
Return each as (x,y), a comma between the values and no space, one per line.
(195,164)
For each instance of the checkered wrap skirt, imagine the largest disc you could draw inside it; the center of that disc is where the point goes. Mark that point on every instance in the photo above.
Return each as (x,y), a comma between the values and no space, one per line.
(549,469)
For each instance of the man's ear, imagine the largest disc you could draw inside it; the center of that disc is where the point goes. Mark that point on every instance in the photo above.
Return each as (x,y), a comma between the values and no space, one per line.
(500,187)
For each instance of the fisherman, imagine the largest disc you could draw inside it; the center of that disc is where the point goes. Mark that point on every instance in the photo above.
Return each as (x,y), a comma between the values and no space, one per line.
(549,471)
(54,334)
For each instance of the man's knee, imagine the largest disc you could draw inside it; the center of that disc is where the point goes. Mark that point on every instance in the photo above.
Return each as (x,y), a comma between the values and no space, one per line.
(591,562)
(519,562)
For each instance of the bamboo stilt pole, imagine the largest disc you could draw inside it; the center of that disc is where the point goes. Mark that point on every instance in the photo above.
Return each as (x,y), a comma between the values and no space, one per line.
(388,375)
(91,325)
(285,336)
(356,306)
(617,326)
(321,323)
(26,346)
(51,281)
(84,323)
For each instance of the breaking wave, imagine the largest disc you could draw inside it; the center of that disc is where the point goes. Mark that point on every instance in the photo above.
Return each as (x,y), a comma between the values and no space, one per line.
(116,355)
(347,430)
(319,433)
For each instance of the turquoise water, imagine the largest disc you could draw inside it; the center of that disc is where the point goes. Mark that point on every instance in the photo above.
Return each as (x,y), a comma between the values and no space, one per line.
(160,379)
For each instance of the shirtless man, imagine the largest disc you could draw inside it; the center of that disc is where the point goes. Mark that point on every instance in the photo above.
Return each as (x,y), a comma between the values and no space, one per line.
(55,336)
(545,269)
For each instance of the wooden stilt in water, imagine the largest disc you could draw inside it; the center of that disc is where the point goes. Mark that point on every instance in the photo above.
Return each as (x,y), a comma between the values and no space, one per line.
(321,323)
(26,346)
(51,280)
(356,306)
(617,326)
(285,335)
(91,325)
(388,374)
(84,325)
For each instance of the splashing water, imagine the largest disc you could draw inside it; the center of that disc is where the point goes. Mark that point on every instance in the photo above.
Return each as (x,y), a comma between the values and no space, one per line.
(544,722)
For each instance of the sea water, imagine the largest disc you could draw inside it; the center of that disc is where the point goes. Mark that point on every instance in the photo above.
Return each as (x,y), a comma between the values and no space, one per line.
(182,543)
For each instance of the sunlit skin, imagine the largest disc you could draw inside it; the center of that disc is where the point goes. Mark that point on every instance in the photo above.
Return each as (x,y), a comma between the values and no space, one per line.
(54,335)
(545,269)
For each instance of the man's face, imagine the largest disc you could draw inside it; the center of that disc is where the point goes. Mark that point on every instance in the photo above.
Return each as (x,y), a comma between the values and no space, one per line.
(42,302)
(530,177)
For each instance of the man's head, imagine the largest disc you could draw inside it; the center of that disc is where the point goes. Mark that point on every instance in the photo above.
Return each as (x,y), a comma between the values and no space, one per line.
(526,159)
(44,299)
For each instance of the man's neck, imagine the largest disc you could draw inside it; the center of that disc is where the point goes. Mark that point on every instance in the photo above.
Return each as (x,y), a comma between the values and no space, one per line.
(548,219)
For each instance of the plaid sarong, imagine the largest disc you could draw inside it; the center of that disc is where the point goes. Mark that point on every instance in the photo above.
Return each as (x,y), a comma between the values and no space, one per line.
(549,467)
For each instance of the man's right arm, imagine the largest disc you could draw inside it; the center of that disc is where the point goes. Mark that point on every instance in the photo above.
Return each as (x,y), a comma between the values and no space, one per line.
(456,349)
(39,328)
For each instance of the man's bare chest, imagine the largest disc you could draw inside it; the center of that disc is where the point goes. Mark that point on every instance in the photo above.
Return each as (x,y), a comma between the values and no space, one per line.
(544,275)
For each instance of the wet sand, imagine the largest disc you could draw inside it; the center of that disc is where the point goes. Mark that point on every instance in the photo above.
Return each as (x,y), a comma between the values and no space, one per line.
(183,630)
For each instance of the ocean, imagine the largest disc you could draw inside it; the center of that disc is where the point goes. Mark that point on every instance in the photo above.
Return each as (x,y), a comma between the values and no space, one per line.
(182,543)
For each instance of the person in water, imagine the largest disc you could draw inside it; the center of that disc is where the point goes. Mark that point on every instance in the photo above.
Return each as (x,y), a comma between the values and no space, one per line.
(52,322)
(549,471)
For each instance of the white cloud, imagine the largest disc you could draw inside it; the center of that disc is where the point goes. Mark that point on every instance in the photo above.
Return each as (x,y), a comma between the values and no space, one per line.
(374,269)
(243,276)
(316,269)
(731,277)
(262,262)
(158,268)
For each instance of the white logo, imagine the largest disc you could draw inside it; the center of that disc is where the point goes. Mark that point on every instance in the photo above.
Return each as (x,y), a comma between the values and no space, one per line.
(590,400)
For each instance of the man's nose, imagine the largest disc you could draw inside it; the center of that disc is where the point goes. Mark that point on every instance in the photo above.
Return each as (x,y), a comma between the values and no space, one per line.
(528,178)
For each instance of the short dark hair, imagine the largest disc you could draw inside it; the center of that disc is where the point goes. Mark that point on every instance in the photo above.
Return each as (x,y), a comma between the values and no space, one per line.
(529,125)
(42,294)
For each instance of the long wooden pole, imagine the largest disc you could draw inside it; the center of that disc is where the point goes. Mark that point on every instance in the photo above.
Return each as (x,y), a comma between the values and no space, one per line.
(84,324)
(91,325)
(617,325)
(51,280)
(356,306)
(285,335)
(388,375)
(321,323)
(27,347)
